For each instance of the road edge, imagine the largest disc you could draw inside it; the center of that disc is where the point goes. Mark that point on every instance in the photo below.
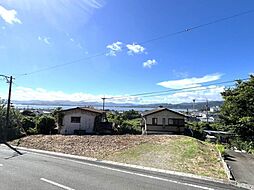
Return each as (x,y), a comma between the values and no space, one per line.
(226,168)
(95,160)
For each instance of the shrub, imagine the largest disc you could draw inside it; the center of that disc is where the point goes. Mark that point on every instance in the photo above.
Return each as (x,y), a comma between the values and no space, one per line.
(243,145)
(32,131)
(221,149)
(27,122)
(46,124)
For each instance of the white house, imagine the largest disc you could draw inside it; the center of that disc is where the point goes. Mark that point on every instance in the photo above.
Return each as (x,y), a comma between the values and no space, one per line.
(80,120)
(162,120)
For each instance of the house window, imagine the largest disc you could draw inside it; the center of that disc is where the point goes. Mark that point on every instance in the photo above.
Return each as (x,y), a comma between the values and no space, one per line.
(75,119)
(181,122)
(163,122)
(170,121)
(178,122)
(154,121)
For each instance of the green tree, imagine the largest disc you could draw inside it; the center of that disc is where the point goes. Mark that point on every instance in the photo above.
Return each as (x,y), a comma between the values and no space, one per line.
(28,113)
(58,115)
(237,111)
(131,114)
(14,129)
(28,124)
(46,124)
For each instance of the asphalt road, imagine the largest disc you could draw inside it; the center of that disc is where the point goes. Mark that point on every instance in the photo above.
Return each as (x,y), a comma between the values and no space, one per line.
(39,171)
(241,166)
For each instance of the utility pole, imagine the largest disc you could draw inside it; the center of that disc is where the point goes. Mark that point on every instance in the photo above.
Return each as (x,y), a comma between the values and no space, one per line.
(8,103)
(206,111)
(193,106)
(7,121)
(103,103)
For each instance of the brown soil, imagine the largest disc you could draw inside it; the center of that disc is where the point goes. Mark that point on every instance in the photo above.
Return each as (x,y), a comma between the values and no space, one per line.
(91,146)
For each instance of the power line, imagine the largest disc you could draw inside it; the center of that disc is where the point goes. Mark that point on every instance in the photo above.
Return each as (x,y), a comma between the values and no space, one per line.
(201,89)
(199,26)
(142,43)
(165,94)
(154,93)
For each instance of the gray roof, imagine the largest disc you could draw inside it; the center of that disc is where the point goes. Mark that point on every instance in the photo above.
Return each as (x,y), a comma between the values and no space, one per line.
(159,110)
(85,109)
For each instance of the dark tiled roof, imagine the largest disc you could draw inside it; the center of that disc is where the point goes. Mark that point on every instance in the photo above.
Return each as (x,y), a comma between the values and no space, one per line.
(85,109)
(159,110)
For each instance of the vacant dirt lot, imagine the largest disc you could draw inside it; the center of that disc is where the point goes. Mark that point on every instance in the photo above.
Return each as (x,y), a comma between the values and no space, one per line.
(171,152)
(91,146)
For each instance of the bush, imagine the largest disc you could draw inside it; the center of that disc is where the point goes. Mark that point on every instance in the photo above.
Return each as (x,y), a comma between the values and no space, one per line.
(13,131)
(127,122)
(221,149)
(32,131)
(131,114)
(197,129)
(27,122)
(128,127)
(243,145)
(46,124)
(28,113)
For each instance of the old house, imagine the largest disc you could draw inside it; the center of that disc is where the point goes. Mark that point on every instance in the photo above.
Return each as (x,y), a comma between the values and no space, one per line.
(83,120)
(162,120)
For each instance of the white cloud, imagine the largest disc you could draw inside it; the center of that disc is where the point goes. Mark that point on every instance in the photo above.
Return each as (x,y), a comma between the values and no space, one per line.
(44,39)
(135,49)
(114,48)
(189,82)
(211,93)
(149,63)
(24,94)
(71,39)
(201,94)
(9,16)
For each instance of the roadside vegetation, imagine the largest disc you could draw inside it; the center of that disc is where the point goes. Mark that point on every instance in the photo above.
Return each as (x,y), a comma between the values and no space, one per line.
(236,116)
(127,122)
(25,123)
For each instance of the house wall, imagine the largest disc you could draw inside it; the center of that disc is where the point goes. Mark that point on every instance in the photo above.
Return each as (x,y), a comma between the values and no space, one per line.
(86,121)
(168,127)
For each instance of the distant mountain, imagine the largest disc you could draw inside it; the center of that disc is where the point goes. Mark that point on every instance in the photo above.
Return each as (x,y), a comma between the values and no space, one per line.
(198,105)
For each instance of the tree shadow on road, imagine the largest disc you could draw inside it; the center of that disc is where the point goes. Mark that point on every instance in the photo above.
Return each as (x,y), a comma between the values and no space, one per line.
(228,157)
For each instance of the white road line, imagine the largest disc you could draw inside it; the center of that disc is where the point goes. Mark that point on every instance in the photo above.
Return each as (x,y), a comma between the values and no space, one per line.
(56,184)
(135,173)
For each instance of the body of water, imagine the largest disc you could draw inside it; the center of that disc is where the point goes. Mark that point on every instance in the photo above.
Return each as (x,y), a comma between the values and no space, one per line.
(115,108)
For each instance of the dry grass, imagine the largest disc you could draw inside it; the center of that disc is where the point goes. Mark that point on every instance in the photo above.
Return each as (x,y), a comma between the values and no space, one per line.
(178,153)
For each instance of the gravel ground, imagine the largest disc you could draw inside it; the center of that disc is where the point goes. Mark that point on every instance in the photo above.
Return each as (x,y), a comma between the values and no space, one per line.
(171,152)
(90,145)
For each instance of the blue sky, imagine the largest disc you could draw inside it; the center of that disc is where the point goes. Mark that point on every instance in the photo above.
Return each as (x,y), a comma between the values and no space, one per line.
(39,34)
